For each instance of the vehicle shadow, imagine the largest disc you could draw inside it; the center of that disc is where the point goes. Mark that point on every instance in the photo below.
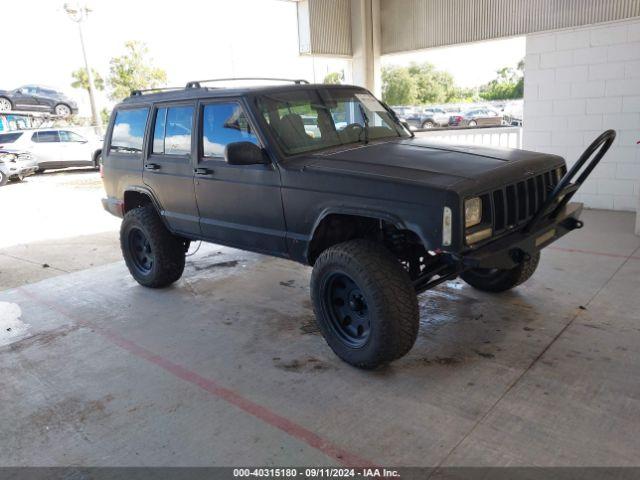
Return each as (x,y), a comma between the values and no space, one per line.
(62,171)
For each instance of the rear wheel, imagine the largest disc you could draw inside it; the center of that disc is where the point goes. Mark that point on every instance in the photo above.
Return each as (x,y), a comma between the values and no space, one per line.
(473,123)
(365,303)
(3,179)
(499,280)
(153,255)
(62,110)
(428,124)
(5,105)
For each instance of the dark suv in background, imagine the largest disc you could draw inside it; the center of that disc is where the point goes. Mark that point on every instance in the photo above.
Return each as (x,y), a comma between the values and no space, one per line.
(327,176)
(37,98)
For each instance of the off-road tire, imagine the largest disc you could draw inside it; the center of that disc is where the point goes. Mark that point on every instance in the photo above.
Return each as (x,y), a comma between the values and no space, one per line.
(3,179)
(392,303)
(502,280)
(168,250)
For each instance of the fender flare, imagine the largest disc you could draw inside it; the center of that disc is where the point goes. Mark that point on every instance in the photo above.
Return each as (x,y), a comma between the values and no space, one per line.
(368,213)
(154,200)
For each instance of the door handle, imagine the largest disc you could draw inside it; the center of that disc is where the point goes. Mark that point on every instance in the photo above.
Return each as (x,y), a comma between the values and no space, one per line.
(151,166)
(202,171)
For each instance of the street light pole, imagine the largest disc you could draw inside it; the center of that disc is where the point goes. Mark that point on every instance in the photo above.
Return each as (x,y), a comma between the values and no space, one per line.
(78,14)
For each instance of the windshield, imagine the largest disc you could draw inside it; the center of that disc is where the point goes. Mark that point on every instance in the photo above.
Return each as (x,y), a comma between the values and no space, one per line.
(314,119)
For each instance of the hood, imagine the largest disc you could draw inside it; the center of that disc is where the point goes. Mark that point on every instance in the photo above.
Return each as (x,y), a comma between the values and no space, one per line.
(435,164)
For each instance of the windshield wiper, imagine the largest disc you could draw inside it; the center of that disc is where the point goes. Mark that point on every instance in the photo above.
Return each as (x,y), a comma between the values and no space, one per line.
(366,124)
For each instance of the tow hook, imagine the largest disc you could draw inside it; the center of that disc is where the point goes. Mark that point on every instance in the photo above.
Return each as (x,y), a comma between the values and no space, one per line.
(572,223)
(519,256)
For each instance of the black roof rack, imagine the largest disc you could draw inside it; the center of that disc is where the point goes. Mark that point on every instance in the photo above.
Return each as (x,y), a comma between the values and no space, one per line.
(198,83)
(142,91)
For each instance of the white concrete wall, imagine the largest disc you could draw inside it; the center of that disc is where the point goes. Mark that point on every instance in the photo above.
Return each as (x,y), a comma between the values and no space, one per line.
(578,83)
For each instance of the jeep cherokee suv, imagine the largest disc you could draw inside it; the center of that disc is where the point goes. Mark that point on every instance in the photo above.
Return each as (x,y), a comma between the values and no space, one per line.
(378,214)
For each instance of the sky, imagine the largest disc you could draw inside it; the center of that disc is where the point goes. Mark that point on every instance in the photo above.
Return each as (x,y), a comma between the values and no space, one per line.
(195,39)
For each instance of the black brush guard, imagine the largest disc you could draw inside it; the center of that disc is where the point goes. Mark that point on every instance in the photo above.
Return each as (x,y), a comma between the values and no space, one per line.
(555,218)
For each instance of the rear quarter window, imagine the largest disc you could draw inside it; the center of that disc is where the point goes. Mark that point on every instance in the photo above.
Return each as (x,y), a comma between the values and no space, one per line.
(128,130)
(6,138)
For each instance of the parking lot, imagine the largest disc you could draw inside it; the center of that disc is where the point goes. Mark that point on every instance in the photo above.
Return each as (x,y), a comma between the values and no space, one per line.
(227,366)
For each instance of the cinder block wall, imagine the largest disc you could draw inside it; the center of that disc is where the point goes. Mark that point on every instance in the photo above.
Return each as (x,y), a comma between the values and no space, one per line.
(578,83)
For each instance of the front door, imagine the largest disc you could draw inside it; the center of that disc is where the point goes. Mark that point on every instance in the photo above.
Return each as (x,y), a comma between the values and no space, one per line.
(240,205)
(168,168)
(75,148)
(24,98)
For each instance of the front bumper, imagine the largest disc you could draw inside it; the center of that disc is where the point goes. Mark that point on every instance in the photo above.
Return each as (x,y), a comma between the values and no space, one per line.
(21,171)
(510,250)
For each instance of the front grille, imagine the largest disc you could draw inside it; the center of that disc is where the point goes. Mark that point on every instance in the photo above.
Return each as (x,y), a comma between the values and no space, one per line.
(515,204)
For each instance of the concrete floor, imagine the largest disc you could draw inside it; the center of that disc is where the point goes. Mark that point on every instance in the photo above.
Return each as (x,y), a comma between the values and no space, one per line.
(227,368)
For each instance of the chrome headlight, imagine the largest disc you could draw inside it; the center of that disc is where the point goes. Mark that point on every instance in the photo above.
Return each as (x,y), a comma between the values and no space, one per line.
(472,212)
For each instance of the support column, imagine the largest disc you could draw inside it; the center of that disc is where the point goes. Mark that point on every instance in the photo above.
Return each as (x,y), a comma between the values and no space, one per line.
(365,42)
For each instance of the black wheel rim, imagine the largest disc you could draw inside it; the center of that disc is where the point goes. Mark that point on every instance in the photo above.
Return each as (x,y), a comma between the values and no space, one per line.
(141,252)
(347,309)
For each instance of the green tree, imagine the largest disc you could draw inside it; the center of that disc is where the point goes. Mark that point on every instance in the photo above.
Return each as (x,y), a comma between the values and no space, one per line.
(508,84)
(133,71)
(433,86)
(81,80)
(333,78)
(419,83)
(398,86)
(104,115)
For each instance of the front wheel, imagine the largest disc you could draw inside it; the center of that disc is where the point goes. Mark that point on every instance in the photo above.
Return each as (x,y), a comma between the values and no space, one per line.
(153,255)
(428,124)
(365,303)
(499,280)
(3,179)
(473,123)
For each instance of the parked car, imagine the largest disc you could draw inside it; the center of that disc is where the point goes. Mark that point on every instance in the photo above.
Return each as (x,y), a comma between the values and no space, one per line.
(15,165)
(37,98)
(379,214)
(403,111)
(427,118)
(483,117)
(55,147)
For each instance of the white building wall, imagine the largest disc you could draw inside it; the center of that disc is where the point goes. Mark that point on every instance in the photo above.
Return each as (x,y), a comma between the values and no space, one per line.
(578,83)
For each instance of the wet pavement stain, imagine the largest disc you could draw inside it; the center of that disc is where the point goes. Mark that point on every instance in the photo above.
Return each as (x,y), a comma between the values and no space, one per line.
(308,364)
(69,411)
(228,264)
(39,339)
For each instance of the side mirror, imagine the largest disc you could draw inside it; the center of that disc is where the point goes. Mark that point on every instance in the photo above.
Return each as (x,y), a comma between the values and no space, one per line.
(245,153)
(20,90)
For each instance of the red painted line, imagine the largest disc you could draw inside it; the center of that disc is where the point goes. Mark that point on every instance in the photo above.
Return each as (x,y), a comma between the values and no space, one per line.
(591,252)
(214,388)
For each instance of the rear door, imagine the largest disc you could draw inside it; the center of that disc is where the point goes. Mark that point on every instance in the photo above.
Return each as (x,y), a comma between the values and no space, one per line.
(47,148)
(240,205)
(168,168)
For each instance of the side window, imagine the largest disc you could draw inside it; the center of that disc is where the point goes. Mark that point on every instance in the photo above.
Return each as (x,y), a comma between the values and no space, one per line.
(48,137)
(224,123)
(128,131)
(172,131)
(67,136)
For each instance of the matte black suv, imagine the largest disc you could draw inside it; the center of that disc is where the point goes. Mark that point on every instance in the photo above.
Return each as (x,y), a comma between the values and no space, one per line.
(379,214)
